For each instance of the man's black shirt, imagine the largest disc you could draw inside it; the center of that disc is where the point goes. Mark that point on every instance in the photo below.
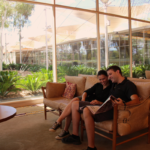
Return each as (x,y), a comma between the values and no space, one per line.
(123,90)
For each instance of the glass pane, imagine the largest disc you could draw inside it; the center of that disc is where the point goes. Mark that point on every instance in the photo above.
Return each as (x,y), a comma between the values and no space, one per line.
(114,39)
(140,48)
(76,42)
(140,9)
(85,4)
(25,40)
(114,7)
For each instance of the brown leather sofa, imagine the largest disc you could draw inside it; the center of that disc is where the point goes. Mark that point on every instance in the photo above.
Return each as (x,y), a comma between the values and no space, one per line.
(126,120)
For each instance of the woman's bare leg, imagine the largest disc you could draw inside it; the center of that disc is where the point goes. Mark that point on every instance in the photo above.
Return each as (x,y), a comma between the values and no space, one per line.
(67,112)
(67,122)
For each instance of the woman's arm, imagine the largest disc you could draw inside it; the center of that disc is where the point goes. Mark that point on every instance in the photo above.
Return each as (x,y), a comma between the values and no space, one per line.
(96,102)
(84,95)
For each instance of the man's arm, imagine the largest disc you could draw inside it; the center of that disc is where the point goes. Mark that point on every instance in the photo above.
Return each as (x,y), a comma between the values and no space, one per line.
(134,100)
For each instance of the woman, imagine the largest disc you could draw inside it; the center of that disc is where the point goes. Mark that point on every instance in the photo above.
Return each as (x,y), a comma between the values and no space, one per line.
(96,95)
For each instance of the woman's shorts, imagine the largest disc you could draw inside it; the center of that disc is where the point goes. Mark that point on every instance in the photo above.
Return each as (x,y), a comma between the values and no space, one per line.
(79,97)
(97,117)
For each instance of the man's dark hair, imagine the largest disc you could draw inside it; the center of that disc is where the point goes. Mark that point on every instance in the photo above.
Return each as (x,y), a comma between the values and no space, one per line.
(115,68)
(102,72)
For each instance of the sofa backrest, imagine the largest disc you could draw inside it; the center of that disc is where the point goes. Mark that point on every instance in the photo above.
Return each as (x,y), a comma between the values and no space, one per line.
(85,75)
(90,81)
(85,82)
(143,87)
(79,81)
(138,80)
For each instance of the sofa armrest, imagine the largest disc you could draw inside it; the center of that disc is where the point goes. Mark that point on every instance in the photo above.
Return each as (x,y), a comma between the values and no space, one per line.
(54,89)
(133,118)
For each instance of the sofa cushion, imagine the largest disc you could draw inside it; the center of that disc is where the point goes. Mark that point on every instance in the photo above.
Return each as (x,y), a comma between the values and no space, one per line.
(54,89)
(70,90)
(79,81)
(143,89)
(105,125)
(90,81)
(56,103)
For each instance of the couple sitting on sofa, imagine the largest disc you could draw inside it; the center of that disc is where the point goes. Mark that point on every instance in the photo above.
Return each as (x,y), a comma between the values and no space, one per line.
(124,90)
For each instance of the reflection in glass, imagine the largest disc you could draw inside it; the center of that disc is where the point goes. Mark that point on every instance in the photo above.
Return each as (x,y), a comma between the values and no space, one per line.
(118,40)
(140,43)
(30,39)
(140,9)
(76,42)
(140,48)
(85,4)
(114,7)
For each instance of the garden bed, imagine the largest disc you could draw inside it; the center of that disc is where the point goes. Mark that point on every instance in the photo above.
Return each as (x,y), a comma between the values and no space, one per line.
(20,94)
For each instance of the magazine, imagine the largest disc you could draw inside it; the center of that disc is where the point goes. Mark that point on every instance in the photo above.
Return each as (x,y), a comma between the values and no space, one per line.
(107,105)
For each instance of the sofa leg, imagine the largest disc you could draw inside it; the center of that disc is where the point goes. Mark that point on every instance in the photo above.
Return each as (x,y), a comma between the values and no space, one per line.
(45,112)
(115,126)
(149,128)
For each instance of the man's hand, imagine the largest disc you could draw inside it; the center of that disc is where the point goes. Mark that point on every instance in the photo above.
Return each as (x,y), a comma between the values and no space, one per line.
(95,102)
(119,101)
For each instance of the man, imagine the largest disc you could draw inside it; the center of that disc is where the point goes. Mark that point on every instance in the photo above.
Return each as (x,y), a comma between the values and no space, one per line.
(125,92)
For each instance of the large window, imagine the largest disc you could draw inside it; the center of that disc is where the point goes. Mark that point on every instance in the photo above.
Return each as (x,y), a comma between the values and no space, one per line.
(63,38)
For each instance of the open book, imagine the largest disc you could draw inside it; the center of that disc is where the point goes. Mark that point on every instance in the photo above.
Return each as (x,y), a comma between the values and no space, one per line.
(107,105)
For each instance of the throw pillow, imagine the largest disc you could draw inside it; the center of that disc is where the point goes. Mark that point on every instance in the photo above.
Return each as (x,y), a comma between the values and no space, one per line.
(70,90)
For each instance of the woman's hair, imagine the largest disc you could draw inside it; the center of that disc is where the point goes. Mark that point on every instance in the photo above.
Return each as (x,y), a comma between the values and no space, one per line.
(102,72)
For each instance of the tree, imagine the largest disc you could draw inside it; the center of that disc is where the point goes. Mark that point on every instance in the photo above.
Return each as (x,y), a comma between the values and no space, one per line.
(13,13)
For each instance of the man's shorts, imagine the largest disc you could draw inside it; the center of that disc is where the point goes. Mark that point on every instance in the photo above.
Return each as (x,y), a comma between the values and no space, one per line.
(97,117)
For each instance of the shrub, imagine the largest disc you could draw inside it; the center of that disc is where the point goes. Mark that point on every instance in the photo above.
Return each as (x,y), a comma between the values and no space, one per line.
(8,80)
(35,81)
(125,70)
(12,66)
(5,67)
(75,70)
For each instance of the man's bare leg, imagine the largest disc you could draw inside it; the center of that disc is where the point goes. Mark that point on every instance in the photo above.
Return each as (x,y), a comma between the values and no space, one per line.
(90,127)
